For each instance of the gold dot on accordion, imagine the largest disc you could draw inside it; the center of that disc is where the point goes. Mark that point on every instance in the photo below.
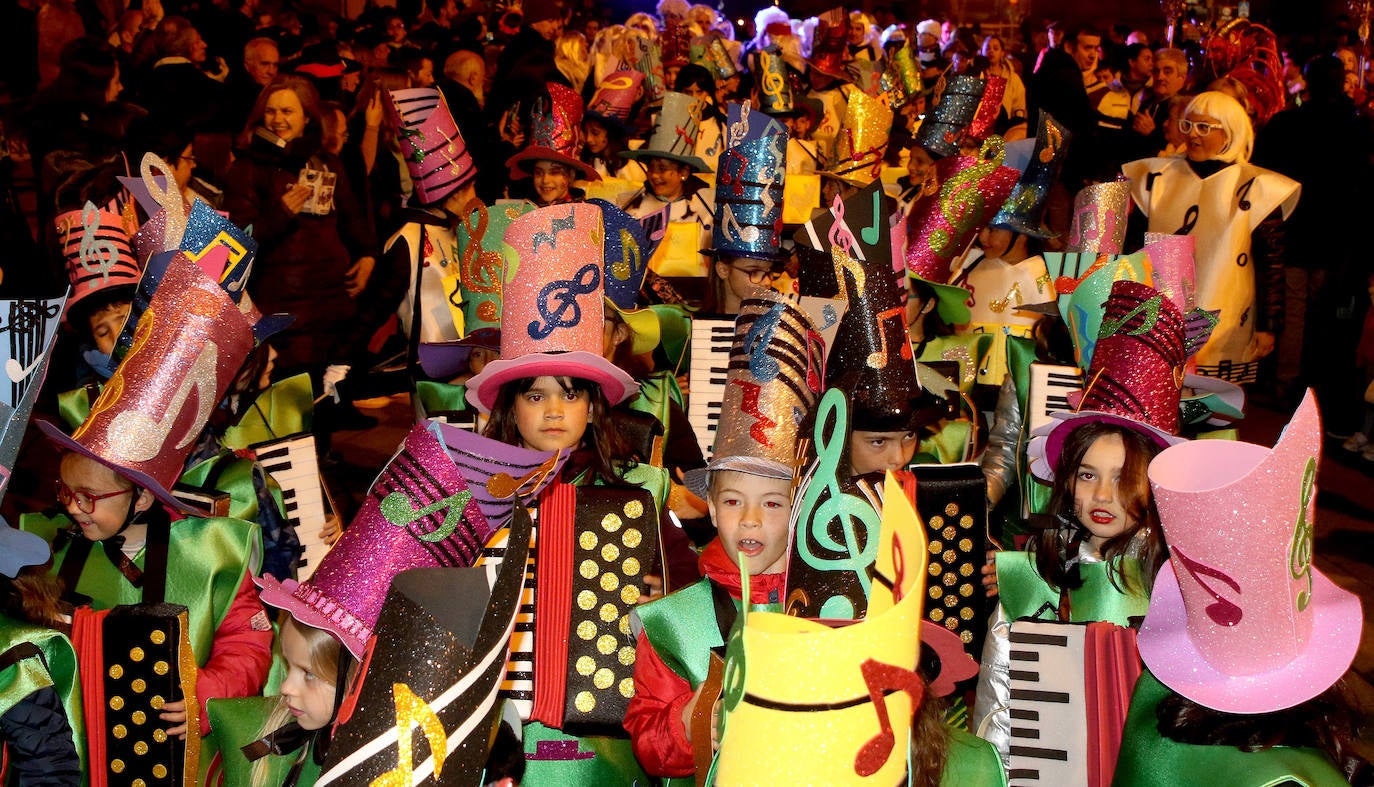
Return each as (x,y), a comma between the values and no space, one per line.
(934,569)
(949,556)
(116,671)
(627,688)
(138,717)
(586,665)
(629,594)
(610,553)
(634,509)
(966,637)
(937,614)
(139,685)
(609,582)
(936,522)
(136,654)
(586,599)
(951,509)
(589,569)
(603,678)
(951,623)
(158,636)
(966,589)
(627,655)
(935,547)
(160,736)
(632,537)
(138,783)
(966,613)
(966,570)
(949,579)
(935,591)
(586,630)
(631,566)
(949,532)
(965,545)
(119,730)
(587,540)
(116,703)
(160,771)
(584,701)
(951,600)
(624,625)
(117,765)
(161,668)
(606,644)
(611,522)
(141,748)
(966,520)
(609,612)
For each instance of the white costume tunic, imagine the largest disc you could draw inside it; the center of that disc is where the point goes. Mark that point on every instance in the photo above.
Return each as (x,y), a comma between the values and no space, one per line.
(1221,212)
(435,246)
(1000,289)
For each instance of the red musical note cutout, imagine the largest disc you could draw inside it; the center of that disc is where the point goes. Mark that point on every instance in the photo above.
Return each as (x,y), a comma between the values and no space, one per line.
(1223,612)
(1065,285)
(762,423)
(878,360)
(879,678)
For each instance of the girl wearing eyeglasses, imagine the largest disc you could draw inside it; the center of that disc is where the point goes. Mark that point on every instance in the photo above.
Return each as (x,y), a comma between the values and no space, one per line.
(1235,211)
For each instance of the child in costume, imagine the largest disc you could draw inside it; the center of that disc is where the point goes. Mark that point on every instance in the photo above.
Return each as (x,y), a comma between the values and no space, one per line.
(606,126)
(1097,556)
(748,487)
(551,157)
(103,275)
(1245,641)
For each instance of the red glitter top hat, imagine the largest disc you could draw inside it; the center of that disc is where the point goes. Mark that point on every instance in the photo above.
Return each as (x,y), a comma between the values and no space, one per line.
(830,46)
(555,134)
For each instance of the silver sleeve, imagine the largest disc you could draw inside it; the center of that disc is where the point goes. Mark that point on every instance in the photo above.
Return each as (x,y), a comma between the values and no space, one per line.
(991,709)
(1000,459)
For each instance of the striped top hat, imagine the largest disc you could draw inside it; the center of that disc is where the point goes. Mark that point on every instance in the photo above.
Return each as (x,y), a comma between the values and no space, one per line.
(431,144)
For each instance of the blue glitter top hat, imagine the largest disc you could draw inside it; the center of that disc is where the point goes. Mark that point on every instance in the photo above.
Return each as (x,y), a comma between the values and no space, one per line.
(1024,210)
(955,106)
(749,186)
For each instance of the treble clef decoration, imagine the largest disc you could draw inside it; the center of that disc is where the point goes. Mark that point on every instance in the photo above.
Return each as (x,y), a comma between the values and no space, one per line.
(485,275)
(960,200)
(169,199)
(96,256)
(1300,554)
(762,365)
(826,511)
(565,292)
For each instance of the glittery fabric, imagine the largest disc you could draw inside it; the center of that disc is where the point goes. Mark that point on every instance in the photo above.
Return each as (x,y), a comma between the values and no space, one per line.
(427,705)
(941,225)
(774,379)
(555,133)
(188,347)
(1137,368)
(862,140)
(1171,261)
(96,246)
(903,78)
(675,133)
(846,692)
(481,243)
(616,95)
(162,231)
(206,231)
(952,501)
(499,475)
(749,185)
(1099,218)
(1081,302)
(31,328)
(649,62)
(988,107)
(830,49)
(1024,209)
(675,43)
(627,253)
(956,102)
(709,52)
(1240,620)
(775,90)
(431,144)
(419,513)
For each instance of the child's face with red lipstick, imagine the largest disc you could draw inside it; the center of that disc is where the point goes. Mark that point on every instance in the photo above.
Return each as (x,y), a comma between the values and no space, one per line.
(751,515)
(1097,496)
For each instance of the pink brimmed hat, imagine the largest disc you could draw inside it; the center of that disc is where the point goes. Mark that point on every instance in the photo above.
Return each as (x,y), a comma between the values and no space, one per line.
(553,306)
(431,144)
(1240,620)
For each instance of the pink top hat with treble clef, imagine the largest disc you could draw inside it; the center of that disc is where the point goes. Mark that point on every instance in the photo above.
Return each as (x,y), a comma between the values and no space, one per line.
(553,305)
(97,248)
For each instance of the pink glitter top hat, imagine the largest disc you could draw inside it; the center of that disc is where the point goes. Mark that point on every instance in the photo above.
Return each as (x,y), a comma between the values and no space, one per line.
(940,226)
(615,98)
(419,513)
(96,245)
(431,144)
(189,344)
(1099,218)
(555,134)
(1240,620)
(553,305)
(1135,379)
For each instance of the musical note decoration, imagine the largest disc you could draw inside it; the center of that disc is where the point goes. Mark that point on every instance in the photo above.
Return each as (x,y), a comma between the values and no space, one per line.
(1300,556)
(1099,218)
(749,186)
(412,712)
(555,134)
(1024,210)
(941,225)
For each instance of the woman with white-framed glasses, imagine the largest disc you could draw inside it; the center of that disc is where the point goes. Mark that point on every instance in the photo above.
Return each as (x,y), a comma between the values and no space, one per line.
(1234,210)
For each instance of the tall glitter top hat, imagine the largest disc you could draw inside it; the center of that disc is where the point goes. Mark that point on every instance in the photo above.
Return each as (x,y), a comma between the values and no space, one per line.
(98,250)
(749,186)
(648,60)
(956,104)
(871,358)
(26,340)
(615,98)
(1024,210)
(830,45)
(843,713)
(189,345)
(862,140)
(419,513)
(941,225)
(902,80)
(675,43)
(709,52)
(1240,619)
(1135,379)
(1100,211)
(777,365)
(674,136)
(627,253)
(431,144)
(988,108)
(775,88)
(555,134)
(553,305)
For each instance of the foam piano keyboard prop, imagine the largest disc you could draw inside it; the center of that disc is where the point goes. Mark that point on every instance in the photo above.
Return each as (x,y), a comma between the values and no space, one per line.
(1050,386)
(291,461)
(952,501)
(711,341)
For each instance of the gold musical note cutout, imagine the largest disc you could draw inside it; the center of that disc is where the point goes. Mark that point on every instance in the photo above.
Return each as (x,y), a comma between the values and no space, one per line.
(411,711)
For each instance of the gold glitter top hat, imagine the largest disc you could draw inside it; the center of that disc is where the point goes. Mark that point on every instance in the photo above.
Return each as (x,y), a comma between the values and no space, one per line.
(862,140)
